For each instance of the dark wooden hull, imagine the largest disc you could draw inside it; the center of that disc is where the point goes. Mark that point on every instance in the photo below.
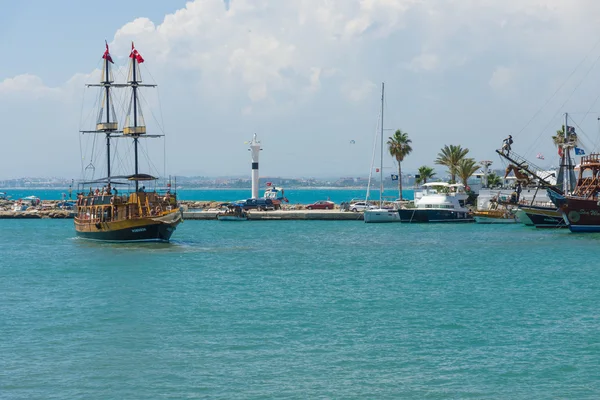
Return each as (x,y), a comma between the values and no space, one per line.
(544,217)
(148,229)
(582,215)
(433,215)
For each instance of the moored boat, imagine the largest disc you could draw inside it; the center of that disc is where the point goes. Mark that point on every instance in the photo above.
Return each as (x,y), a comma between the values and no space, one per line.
(543,216)
(381,214)
(438,202)
(495,217)
(232,212)
(581,208)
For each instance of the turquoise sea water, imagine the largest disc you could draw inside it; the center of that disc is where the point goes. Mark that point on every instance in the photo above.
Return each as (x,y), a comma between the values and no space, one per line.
(294,195)
(300,309)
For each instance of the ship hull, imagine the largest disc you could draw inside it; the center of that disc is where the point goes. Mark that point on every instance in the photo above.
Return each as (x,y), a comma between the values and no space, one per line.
(494,220)
(544,217)
(149,229)
(432,215)
(524,218)
(582,215)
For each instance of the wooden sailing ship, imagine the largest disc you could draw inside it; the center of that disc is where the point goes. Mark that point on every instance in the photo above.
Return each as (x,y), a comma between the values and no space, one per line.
(581,207)
(122,210)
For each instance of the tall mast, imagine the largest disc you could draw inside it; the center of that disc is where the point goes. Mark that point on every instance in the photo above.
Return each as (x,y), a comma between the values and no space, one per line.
(381,156)
(565,155)
(105,123)
(107,86)
(135,137)
(135,128)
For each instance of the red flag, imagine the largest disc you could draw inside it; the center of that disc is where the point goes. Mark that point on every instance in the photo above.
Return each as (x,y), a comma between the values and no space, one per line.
(560,151)
(106,55)
(135,54)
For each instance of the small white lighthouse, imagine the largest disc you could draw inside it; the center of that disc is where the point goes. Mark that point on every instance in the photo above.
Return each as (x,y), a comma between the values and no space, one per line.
(255,149)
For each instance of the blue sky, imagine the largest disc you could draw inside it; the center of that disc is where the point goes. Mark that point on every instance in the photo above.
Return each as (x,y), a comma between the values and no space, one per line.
(305,76)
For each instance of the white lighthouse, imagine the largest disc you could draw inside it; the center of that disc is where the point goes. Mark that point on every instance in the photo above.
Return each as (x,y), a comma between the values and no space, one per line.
(255,150)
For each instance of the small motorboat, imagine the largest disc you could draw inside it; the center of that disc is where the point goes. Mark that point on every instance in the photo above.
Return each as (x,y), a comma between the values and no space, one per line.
(232,212)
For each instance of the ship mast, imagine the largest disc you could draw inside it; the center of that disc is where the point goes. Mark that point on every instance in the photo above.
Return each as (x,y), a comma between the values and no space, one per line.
(134,84)
(105,124)
(107,87)
(134,123)
(381,155)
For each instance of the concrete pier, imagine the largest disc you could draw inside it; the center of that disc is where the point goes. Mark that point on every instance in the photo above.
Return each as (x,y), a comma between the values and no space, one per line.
(253,215)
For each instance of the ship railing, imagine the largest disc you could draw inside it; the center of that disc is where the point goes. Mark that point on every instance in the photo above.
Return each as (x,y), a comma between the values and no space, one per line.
(593,158)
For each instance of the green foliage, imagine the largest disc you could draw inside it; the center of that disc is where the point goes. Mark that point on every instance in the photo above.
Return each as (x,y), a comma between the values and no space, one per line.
(425,173)
(560,137)
(466,168)
(399,147)
(450,156)
(493,180)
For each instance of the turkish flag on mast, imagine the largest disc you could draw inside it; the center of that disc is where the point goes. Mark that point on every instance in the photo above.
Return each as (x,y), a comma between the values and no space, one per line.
(106,55)
(135,54)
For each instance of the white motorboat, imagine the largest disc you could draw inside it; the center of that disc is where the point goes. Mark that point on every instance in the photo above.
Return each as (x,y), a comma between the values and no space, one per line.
(438,202)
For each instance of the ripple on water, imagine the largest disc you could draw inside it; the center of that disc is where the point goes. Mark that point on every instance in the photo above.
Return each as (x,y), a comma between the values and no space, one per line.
(297,309)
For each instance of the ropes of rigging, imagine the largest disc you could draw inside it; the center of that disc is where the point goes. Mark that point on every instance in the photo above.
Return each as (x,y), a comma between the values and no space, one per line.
(558,111)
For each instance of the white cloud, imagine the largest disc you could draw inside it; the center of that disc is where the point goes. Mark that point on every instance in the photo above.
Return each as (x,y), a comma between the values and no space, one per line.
(26,84)
(424,62)
(263,64)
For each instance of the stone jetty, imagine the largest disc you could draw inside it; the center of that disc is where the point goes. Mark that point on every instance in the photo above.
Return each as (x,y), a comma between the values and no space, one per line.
(254,215)
(192,210)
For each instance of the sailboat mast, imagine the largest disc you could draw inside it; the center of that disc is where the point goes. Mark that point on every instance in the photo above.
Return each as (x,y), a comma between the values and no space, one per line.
(381,157)
(135,138)
(565,154)
(107,86)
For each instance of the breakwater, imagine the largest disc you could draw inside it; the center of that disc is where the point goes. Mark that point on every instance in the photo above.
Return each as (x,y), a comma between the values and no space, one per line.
(192,210)
(253,215)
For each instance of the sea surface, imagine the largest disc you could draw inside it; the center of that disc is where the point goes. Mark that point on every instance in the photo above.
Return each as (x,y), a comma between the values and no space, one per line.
(294,195)
(300,310)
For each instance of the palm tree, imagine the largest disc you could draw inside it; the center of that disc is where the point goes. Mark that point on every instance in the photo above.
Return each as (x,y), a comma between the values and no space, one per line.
(493,180)
(450,156)
(425,173)
(399,147)
(466,168)
(559,138)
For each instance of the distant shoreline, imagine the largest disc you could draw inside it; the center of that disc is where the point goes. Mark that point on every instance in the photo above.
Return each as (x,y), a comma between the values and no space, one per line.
(66,189)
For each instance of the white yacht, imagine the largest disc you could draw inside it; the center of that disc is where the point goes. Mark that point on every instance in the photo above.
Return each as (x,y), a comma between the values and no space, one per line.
(438,202)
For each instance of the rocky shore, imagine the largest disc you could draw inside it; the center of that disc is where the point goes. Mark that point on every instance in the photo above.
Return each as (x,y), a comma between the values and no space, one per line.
(46,209)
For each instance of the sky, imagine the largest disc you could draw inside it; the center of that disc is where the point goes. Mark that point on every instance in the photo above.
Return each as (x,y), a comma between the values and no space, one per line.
(305,76)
